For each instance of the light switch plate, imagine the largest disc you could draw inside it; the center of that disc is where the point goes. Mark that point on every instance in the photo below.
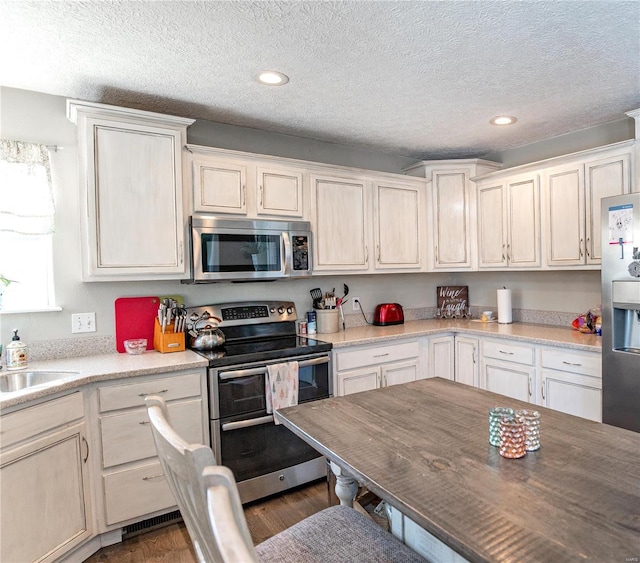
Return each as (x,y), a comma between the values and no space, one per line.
(83,322)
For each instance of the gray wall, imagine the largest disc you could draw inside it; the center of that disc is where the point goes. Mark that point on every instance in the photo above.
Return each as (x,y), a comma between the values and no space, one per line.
(35,117)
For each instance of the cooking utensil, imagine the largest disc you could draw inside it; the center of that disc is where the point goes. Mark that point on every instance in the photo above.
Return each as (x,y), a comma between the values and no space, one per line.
(209,337)
(316,296)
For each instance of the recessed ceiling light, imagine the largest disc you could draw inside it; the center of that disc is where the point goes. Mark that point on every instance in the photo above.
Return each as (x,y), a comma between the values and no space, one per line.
(272,78)
(503,120)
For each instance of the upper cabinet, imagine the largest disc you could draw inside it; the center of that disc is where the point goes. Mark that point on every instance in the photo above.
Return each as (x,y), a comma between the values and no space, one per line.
(227,182)
(367,223)
(452,219)
(509,222)
(130,167)
(572,206)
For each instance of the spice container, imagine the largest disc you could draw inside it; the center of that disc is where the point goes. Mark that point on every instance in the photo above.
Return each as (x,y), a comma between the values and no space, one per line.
(495,414)
(512,437)
(531,428)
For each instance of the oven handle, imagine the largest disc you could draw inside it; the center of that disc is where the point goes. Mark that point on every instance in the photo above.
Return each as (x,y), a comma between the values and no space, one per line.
(247,423)
(235,374)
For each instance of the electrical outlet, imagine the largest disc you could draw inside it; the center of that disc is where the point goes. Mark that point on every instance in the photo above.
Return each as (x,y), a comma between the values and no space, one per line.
(83,322)
(354,303)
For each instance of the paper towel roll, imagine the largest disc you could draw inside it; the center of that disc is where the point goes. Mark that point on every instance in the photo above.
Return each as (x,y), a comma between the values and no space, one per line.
(504,306)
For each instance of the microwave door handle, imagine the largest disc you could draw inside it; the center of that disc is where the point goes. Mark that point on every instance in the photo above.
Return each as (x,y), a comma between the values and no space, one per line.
(288,258)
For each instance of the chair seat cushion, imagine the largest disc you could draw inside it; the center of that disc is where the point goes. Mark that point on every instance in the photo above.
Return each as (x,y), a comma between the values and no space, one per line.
(337,534)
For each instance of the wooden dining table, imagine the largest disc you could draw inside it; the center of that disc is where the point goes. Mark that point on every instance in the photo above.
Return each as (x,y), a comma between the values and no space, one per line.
(423,447)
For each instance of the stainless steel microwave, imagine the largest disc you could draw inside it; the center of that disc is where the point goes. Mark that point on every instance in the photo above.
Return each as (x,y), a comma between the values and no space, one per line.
(247,250)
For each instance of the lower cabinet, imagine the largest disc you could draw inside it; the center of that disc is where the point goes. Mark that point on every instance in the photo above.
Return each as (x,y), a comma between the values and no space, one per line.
(509,369)
(466,360)
(132,486)
(442,357)
(361,368)
(572,382)
(44,484)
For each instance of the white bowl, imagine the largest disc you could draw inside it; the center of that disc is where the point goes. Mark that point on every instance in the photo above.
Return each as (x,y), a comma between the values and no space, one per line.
(135,346)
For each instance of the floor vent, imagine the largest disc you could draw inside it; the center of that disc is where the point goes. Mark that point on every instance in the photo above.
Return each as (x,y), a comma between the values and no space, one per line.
(151,524)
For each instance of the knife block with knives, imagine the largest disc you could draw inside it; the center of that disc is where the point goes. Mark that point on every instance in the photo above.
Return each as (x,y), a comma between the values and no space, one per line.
(167,340)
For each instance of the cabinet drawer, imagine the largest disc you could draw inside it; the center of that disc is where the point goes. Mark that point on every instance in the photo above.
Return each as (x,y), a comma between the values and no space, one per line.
(575,361)
(379,355)
(132,395)
(500,350)
(35,420)
(127,436)
(136,492)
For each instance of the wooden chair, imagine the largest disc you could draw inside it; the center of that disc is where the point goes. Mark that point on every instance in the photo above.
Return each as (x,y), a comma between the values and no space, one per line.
(208,499)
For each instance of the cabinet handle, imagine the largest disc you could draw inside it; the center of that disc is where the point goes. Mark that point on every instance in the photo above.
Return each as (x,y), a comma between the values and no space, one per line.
(506,353)
(381,355)
(530,390)
(180,253)
(260,196)
(543,397)
(366,254)
(581,253)
(474,354)
(152,477)
(244,195)
(143,422)
(155,393)
(586,248)
(378,251)
(437,253)
(86,444)
(570,364)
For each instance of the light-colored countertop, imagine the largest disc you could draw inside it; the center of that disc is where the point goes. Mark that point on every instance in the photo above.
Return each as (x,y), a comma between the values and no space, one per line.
(536,334)
(104,367)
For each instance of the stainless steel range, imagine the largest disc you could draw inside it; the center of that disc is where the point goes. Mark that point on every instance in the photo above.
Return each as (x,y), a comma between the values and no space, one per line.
(265,458)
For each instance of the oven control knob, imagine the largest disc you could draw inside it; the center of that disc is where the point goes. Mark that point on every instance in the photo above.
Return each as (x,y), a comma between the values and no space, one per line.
(272,310)
(290,310)
(281,310)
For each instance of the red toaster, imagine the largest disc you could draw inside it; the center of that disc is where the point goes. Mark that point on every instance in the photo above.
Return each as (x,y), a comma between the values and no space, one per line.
(388,314)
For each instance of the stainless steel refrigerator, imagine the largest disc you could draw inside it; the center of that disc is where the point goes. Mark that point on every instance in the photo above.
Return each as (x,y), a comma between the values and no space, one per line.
(621,311)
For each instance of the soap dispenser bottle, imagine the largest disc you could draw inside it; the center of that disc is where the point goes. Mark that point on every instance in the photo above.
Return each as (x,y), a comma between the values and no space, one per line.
(16,353)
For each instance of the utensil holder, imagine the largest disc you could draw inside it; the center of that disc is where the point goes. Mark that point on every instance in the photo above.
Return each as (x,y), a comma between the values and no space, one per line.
(167,341)
(328,320)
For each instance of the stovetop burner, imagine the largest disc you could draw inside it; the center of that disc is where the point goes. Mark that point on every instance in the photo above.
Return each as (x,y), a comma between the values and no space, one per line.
(257,331)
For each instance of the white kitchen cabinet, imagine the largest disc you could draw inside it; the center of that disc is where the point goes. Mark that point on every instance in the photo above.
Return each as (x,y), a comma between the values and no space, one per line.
(452,235)
(130,168)
(442,357)
(132,486)
(509,222)
(572,206)
(399,212)
(572,382)
(362,368)
(467,360)
(219,186)
(280,191)
(341,223)
(509,369)
(44,481)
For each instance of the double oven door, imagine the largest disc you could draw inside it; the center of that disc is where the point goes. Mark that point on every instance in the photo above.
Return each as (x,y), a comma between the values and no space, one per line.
(265,458)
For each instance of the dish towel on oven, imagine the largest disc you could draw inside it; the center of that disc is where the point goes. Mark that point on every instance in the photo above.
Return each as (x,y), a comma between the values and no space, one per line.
(281,386)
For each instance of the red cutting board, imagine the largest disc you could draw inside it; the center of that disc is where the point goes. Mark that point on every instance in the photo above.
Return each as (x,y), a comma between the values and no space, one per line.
(135,319)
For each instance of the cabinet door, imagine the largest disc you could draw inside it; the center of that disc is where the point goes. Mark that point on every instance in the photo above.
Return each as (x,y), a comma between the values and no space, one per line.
(573,394)
(341,224)
(466,360)
(492,226)
(451,206)
(393,374)
(565,215)
(523,246)
(219,186)
(509,379)
(398,226)
(441,357)
(603,178)
(135,221)
(280,192)
(45,497)
(358,380)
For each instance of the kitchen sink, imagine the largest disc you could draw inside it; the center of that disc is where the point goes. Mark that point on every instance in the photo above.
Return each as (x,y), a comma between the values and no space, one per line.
(17,381)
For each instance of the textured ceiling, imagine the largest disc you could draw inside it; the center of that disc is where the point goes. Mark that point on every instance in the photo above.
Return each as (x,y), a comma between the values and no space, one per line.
(415,78)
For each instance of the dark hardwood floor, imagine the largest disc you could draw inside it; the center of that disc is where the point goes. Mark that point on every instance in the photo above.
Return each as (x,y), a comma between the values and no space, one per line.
(171,544)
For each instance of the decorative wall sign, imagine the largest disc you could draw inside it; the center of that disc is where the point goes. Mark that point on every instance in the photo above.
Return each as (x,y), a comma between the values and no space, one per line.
(453,302)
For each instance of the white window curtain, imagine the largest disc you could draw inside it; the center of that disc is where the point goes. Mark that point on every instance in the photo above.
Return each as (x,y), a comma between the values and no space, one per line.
(26,192)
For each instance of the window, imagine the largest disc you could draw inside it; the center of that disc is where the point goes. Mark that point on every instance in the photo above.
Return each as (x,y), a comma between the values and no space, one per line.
(26,227)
